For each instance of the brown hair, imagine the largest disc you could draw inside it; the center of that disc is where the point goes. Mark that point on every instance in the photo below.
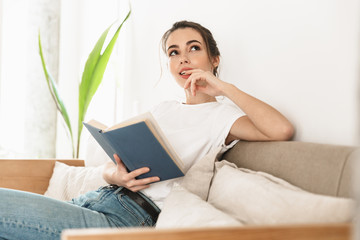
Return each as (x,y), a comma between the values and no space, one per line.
(210,42)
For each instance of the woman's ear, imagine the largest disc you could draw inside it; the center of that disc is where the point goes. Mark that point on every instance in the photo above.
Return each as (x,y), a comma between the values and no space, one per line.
(216,61)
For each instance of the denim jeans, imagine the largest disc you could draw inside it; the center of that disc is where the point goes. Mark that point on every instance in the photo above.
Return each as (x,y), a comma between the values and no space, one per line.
(29,216)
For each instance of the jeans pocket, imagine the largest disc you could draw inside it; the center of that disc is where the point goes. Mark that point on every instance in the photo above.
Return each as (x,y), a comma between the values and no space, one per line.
(89,198)
(136,214)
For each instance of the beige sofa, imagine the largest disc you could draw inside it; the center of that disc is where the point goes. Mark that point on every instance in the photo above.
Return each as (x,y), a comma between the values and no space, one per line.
(318,168)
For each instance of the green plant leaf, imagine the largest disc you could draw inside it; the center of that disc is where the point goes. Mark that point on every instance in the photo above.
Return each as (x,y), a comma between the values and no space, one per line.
(56,96)
(93,73)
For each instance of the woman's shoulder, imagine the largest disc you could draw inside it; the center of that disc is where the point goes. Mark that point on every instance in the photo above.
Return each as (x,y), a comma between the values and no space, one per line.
(226,106)
(228,110)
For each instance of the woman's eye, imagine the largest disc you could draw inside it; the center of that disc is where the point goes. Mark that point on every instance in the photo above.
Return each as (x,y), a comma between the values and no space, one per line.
(195,48)
(172,53)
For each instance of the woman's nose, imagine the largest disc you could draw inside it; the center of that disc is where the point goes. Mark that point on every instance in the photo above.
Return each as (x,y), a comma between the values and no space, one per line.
(184,59)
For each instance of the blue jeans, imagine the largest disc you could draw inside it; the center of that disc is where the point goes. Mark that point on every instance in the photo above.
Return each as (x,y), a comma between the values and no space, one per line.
(29,216)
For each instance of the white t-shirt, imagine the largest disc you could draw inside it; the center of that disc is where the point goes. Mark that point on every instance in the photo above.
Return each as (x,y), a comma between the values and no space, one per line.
(192,130)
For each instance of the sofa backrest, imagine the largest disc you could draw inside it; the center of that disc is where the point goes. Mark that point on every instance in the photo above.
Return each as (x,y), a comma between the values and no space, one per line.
(318,168)
(31,175)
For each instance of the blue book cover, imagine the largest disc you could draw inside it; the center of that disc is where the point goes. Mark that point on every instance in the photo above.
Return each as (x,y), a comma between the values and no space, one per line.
(138,144)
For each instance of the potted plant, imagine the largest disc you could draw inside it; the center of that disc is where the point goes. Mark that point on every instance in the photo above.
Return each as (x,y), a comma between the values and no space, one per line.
(91,78)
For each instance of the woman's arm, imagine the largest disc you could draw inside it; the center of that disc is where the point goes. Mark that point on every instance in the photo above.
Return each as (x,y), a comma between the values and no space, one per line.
(261,123)
(118,175)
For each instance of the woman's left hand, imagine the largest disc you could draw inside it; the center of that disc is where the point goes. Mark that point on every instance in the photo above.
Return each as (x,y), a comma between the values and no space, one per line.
(205,82)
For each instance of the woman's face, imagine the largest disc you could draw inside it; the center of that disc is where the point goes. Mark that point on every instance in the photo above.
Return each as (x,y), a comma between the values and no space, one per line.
(186,50)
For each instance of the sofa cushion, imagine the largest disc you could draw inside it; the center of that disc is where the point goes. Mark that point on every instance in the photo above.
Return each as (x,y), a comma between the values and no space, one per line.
(186,204)
(314,167)
(68,182)
(198,178)
(185,209)
(257,198)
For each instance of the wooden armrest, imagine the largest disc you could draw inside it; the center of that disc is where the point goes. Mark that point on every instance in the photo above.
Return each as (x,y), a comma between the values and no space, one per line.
(31,175)
(286,232)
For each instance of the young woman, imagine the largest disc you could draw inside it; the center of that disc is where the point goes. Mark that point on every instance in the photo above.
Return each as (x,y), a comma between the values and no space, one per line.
(192,127)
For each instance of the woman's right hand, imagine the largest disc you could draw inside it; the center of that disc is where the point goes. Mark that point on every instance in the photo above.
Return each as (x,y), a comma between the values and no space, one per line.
(118,175)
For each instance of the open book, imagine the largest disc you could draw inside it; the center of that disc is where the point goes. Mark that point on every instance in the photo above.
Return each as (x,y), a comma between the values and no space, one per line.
(139,142)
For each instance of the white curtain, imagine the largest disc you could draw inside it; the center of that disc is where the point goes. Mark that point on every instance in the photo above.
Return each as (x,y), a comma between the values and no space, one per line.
(28,116)
(30,126)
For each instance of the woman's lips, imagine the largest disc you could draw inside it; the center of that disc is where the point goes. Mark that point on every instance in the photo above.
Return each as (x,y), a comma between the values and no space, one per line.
(183,73)
(185,76)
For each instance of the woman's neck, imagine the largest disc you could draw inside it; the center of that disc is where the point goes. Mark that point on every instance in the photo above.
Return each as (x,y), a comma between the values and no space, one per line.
(199,98)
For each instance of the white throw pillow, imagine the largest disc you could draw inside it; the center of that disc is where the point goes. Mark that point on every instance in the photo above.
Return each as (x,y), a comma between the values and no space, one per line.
(184,209)
(68,182)
(198,178)
(95,156)
(257,198)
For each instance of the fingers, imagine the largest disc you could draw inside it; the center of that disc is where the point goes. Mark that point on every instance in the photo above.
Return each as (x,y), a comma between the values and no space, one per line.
(137,185)
(133,174)
(193,87)
(194,82)
(136,173)
(197,80)
(205,82)
(119,164)
(117,159)
(128,179)
(192,73)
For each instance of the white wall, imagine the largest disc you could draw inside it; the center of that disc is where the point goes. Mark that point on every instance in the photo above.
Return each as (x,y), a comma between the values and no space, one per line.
(301,56)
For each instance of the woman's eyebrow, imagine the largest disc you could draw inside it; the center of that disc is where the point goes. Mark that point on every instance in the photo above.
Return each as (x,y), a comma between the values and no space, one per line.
(173,46)
(192,41)
(187,43)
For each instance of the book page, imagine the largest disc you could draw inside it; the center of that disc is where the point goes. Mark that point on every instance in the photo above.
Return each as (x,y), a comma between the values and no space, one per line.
(97,124)
(133,120)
